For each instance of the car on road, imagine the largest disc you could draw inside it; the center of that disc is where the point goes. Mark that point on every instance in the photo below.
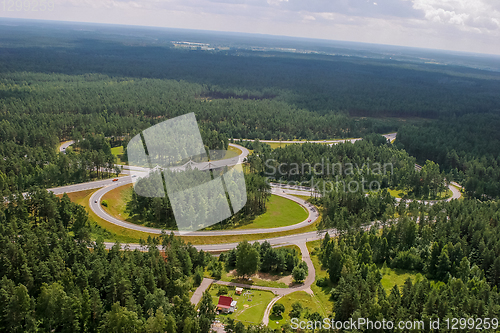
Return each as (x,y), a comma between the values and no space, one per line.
(115,180)
(95,201)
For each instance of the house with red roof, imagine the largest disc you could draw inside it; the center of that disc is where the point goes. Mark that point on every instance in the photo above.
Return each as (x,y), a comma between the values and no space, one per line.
(226,304)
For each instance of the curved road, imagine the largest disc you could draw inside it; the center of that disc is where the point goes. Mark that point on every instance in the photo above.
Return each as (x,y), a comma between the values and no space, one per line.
(95,205)
(64,145)
(389,137)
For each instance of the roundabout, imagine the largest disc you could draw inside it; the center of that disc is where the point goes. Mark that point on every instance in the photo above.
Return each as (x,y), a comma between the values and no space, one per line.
(96,198)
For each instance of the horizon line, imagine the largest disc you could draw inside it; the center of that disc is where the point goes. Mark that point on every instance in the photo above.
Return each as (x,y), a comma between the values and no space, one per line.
(155,27)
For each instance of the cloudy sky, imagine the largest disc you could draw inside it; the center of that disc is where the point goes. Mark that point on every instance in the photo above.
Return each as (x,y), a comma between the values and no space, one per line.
(461,25)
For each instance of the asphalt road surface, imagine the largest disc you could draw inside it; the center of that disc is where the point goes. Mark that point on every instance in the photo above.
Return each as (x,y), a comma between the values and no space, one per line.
(389,137)
(65,145)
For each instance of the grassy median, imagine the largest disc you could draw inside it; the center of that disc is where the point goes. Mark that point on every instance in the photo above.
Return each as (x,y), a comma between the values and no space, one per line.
(111,232)
(280,212)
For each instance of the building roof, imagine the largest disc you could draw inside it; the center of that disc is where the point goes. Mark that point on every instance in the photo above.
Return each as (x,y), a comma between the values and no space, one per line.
(239,289)
(224,302)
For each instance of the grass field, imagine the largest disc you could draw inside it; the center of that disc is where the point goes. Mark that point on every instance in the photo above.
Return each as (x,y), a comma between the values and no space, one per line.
(303,197)
(258,279)
(310,304)
(280,212)
(117,201)
(250,308)
(322,294)
(391,276)
(112,232)
(443,195)
(118,152)
(198,240)
(232,151)
(269,280)
(275,145)
(79,197)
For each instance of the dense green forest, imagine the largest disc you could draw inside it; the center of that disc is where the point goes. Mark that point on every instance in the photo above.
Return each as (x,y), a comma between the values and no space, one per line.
(455,248)
(30,160)
(467,148)
(53,278)
(318,83)
(248,258)
(332,168)
(52,281)
(39,110)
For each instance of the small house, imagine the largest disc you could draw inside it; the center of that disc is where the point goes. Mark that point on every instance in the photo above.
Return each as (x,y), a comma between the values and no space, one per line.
(239,291)
(226,304)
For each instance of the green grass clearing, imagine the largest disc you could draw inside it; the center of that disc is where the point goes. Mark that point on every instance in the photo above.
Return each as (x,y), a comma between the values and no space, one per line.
(280,212)
(322,294)
(397,193)
(118,152)
(391,276)
(259,279)
(111,232)
(441,196)
(250,307)
(275,145)
(117,202)
(232,152)
(310,304)
(303,197)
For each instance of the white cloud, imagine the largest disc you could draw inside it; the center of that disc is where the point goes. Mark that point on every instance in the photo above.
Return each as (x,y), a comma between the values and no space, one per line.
(481,16)
(96,4)
(276,2)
